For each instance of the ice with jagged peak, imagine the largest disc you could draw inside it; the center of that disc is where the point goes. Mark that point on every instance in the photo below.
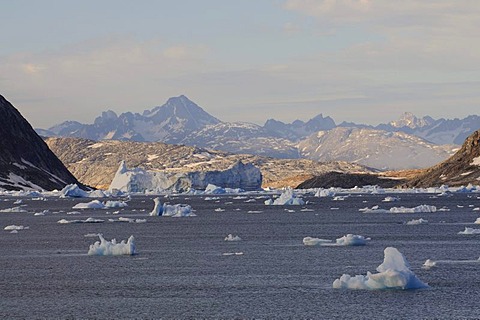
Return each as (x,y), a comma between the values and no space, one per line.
(416,222)
(231,237)
(112,248)
(470,231)
(418,209)
(166,210)
(73,191)
(237,176)
(393,273)
(288,197)
(321,193)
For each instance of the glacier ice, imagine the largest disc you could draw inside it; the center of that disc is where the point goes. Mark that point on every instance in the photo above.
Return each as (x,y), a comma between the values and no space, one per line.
(393,273)
(239,175)
(352,240)
(112,248)
(310,241)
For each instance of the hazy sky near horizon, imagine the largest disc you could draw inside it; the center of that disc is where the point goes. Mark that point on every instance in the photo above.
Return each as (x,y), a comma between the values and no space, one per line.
(365,61)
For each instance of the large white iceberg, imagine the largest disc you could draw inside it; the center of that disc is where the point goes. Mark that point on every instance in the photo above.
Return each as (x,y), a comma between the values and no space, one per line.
(112,248)
(239,175)
(177,210)
(393,273)
(288,197)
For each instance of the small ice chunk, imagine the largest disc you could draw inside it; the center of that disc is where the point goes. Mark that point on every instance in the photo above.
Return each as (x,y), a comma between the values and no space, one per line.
(112,248)
(231,237)
(470,231)
(352,240)
(417,221)
(286,198)
(391,199)
(428,264)
(393,273)
(477,221)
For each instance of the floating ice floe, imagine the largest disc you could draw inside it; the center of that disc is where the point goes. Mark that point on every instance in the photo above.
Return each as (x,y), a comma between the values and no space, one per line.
(470,231)
(232,254)
(14,227)
(346,240)
(231,237)
(115,204)
(286,198)
(14,209)
(309,241)
(219,210)
(391,199)
(129,220)
(177,210)
(477,221)
(42,213)
(94,204)
(417,221)
(417,209)
(393,273)
(112,248)
(73,191)
(88,220)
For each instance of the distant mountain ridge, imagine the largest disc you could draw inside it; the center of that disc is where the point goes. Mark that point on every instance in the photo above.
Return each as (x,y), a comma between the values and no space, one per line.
(181,121)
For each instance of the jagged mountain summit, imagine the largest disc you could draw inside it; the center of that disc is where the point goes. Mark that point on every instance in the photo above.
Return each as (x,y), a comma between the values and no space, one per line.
(409,120)
(170,123)
(374,148)
(462,168)
(26,162)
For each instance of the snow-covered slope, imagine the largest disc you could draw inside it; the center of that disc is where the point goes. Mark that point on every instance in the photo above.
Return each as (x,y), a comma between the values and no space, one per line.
(241,137)
(374,148)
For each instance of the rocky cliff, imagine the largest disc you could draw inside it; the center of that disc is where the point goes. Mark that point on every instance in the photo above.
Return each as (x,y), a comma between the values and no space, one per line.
(460,169)
(95,163)
(26,162)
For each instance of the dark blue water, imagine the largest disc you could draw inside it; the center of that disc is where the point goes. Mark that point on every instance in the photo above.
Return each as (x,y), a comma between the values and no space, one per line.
(180,271)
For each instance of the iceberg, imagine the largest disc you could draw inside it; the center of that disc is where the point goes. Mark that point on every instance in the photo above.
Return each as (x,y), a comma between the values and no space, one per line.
(286,198)
(112,248)
(177,210)
(393,273)
(73,191)
(418,209)
(239,175)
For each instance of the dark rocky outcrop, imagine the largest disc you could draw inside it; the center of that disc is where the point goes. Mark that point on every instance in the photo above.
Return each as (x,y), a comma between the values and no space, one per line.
(460,169)
(26,162)
(348,180)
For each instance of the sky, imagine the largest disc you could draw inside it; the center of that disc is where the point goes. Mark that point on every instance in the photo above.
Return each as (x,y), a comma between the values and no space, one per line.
(363,61)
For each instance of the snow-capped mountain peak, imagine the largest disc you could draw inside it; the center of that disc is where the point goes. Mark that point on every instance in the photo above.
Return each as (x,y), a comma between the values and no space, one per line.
(408,119)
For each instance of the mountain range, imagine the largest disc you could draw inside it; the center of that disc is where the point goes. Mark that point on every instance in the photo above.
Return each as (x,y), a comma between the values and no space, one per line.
(181,121)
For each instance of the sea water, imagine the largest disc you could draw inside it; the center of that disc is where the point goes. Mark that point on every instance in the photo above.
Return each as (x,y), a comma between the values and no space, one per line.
(184,268)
